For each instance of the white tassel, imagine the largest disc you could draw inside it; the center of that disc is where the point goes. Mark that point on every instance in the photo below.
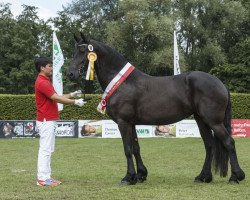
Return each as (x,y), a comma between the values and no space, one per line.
(88,72)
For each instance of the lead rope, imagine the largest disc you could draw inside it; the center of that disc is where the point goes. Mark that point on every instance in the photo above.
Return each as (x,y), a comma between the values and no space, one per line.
(82,87)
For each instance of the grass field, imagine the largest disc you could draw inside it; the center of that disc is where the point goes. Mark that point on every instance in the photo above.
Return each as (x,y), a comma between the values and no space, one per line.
(92,168)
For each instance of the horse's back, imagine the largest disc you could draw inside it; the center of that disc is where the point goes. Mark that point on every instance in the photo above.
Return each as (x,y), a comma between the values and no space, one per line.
(147,99)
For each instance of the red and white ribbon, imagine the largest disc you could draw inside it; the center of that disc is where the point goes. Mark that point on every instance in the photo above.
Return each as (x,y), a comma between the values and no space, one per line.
(113,85)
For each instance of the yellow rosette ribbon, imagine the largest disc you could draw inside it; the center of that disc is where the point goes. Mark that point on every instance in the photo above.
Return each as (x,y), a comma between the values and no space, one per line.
(90,73)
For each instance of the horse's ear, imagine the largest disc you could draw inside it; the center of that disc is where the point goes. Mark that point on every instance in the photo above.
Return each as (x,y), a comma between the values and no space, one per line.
(85,39)
(77,39)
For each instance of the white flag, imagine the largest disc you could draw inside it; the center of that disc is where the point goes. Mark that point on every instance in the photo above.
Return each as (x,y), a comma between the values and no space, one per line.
(58,61)
(177,69)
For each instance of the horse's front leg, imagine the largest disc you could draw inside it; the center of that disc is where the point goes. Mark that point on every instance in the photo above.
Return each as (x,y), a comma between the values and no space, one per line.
(127,136)
(142,172)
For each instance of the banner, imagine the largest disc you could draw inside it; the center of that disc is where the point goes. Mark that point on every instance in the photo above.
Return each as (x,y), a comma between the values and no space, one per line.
(27,128)
(165,130)
(144,131)
(187,128)
(12,129)
(90,128)
(58,61)
(241,128)
(66,129)
(177,69)
(110,130)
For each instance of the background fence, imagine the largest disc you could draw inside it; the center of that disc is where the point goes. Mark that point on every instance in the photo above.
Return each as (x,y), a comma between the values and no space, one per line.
(109,129)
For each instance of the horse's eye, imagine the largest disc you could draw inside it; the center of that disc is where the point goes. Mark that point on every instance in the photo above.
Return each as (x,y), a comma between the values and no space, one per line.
(82,47)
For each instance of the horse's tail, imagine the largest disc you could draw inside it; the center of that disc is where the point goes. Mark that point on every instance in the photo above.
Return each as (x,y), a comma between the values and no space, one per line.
(220,152)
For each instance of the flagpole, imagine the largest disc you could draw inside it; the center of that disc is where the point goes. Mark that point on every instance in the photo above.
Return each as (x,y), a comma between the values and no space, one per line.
(177,69)
(58,61)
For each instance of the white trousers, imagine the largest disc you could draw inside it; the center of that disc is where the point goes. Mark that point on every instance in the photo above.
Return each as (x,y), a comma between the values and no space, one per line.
(46,131)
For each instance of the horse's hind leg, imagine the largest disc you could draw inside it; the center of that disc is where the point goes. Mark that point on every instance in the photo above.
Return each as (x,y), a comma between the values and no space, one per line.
(237,173)
(127,138)
(206,134)
(141,169)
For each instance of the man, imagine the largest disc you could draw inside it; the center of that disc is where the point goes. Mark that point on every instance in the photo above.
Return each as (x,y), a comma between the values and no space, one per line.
(47,114)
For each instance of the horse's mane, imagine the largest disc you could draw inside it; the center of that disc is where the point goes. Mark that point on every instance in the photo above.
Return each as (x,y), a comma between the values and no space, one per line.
(103,49)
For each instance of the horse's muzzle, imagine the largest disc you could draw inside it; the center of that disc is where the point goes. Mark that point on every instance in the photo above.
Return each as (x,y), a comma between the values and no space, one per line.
(72,75)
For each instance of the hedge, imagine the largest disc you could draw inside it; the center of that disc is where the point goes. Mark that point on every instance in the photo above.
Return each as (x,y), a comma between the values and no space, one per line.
(240,105)
(22,107)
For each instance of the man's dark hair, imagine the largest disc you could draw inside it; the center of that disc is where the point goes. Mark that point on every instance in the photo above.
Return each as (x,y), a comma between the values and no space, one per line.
(42,61)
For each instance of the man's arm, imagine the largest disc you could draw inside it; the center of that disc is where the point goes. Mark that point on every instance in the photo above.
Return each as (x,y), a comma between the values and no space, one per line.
(64,100)
(67,96)
(75,94)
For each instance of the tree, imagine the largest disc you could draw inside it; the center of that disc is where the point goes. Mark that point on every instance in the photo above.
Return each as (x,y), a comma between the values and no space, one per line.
(7,23)
(24,38)
(209,29)
(90,17)
(27,42)
(236,77)
(93,15)
(237,74)
(144,34)
(213,36)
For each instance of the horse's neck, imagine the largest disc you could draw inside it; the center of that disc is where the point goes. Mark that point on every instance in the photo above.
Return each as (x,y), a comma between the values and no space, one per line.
(107,72)
(109,66)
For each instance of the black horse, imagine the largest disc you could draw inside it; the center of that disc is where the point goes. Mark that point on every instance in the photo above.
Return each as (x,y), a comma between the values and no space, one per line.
(146,100)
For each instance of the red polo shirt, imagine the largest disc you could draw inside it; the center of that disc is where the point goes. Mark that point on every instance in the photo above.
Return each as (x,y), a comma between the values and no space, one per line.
(46,107)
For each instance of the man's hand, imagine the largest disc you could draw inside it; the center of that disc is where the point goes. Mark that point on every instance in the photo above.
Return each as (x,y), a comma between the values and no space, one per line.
(80,102)
(75,94)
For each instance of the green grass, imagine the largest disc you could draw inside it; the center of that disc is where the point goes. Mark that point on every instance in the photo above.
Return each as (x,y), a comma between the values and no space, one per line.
(92,169)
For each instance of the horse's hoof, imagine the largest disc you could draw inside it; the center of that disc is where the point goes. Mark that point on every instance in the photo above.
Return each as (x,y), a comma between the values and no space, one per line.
(237,176)
(141,179)
(240,175)
(198,181)
(203,179)
(233,181)
(208,179)
(125,182)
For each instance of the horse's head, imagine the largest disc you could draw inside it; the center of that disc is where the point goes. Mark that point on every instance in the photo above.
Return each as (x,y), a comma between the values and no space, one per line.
(90,53)
(79,60)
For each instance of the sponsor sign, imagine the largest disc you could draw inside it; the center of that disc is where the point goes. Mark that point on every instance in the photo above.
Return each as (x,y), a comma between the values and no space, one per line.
(187,128)
(241,128)
(90,128)
(110,130)
(144,131)
(66,129)
(17,128)
(165,130)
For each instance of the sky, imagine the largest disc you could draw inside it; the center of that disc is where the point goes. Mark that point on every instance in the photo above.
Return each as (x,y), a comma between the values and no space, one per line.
(46,8)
